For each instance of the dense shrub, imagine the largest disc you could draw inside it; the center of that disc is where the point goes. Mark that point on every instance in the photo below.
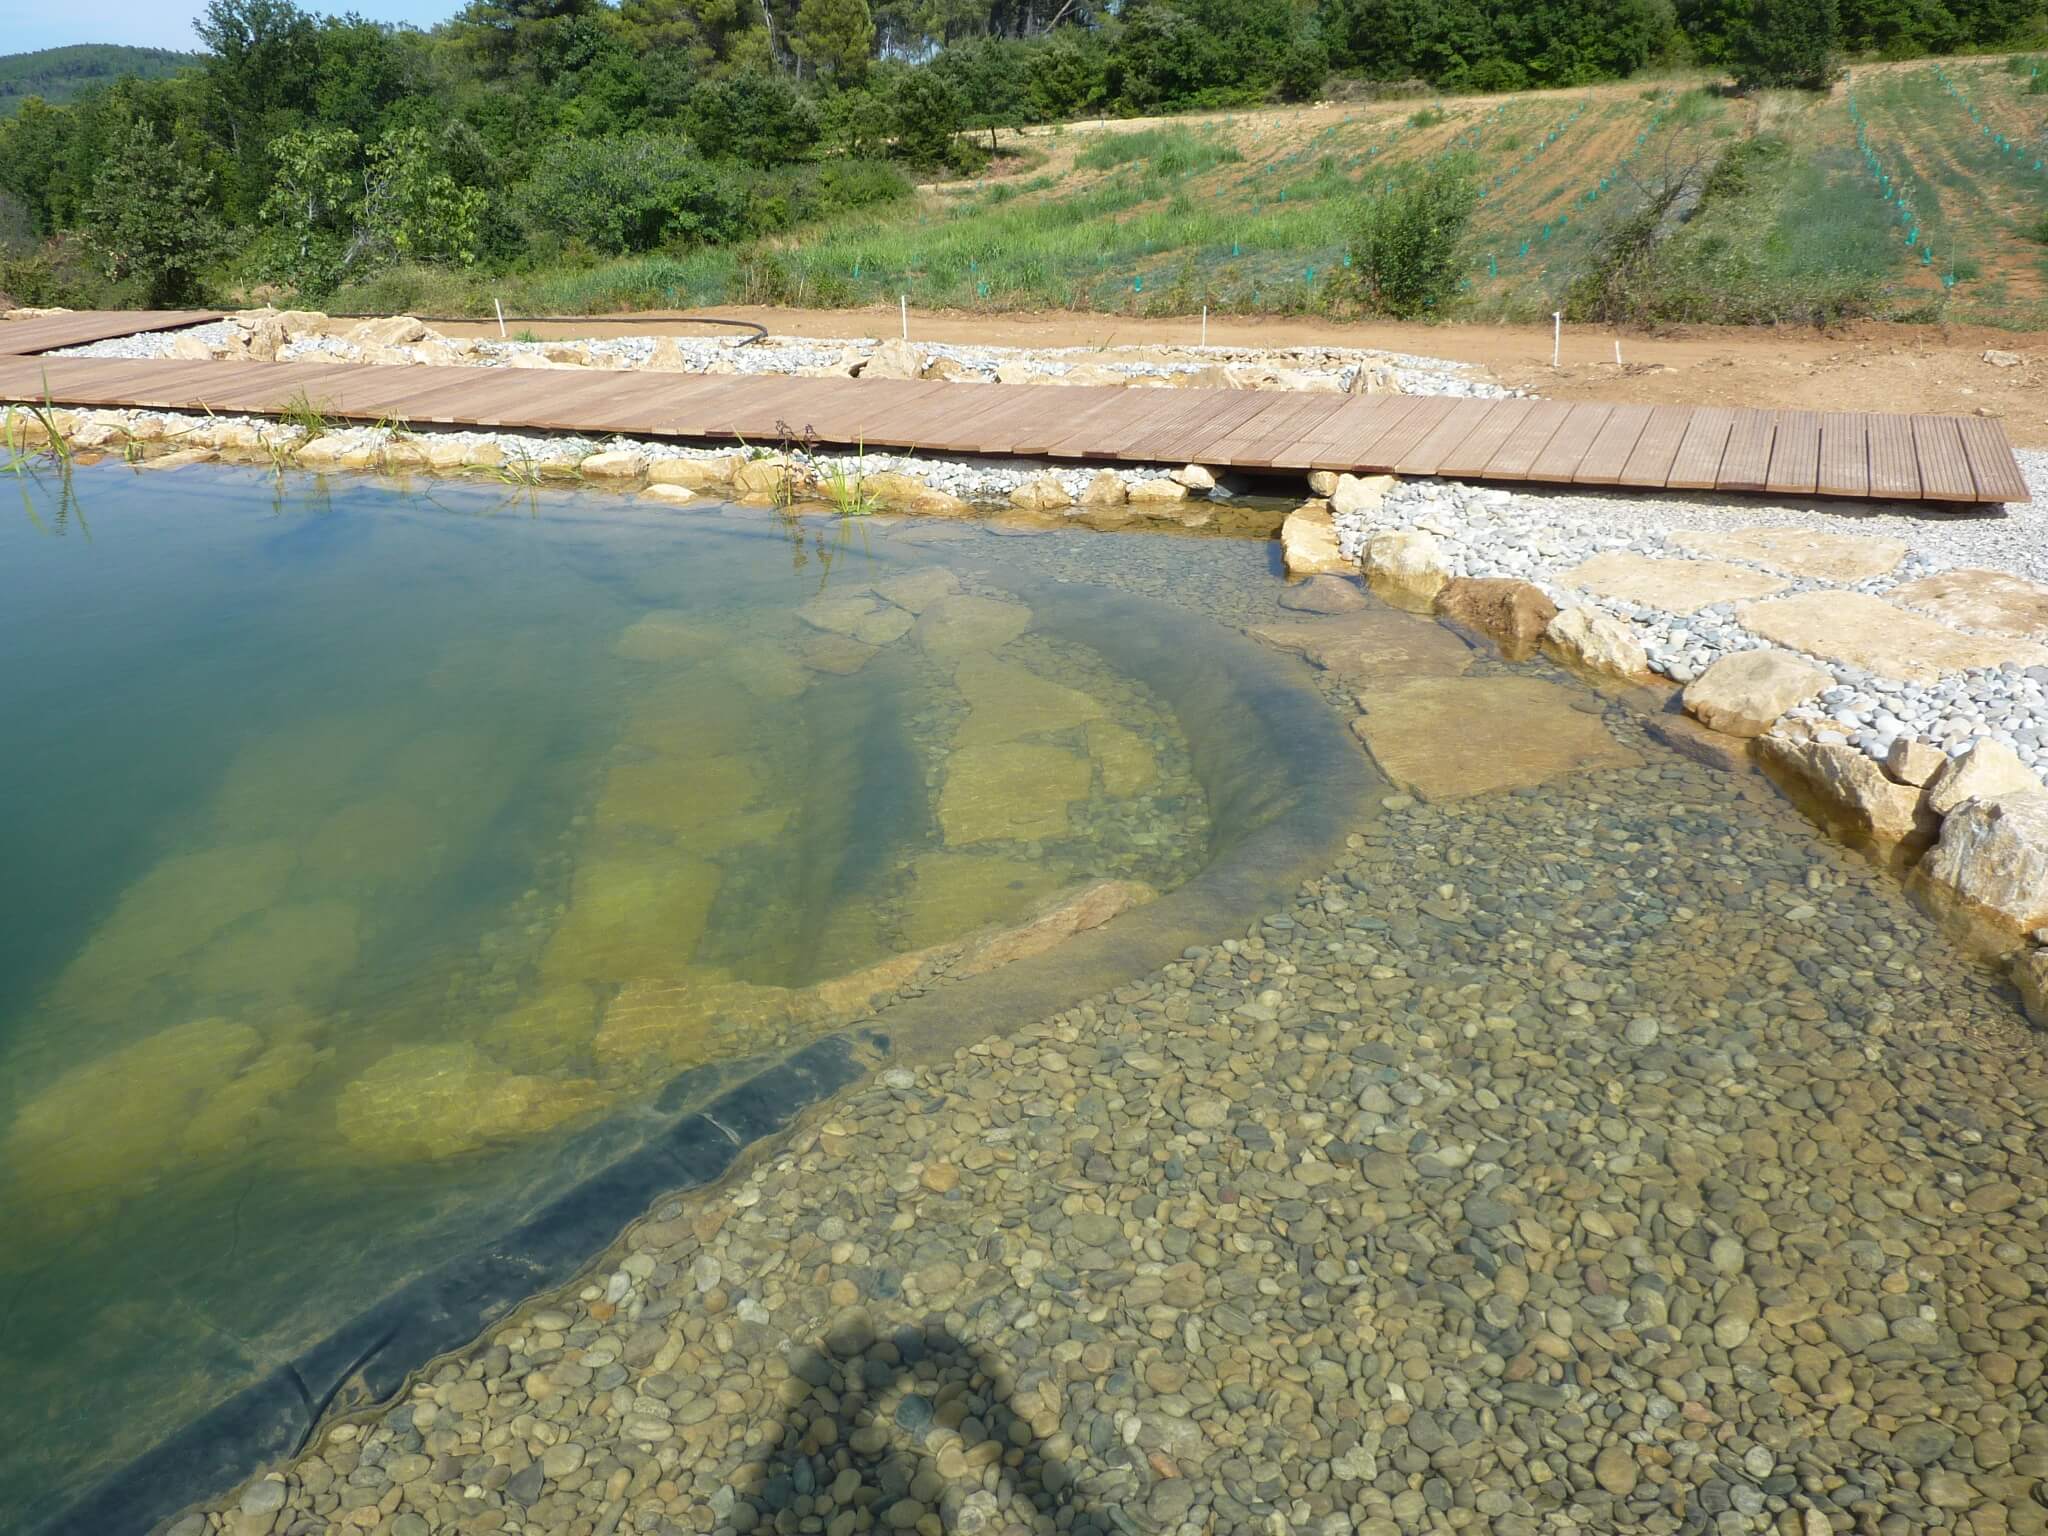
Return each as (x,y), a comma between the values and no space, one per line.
(633,193)
(1406,237)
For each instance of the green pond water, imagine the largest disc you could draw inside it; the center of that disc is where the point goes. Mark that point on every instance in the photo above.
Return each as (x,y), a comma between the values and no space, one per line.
(369,851)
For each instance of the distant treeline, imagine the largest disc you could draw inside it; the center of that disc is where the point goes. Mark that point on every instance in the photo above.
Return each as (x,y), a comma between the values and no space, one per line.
(306,150)
(62,74)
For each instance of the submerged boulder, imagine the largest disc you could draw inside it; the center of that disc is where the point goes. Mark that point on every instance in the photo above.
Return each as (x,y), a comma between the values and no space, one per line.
(1848,793)
(1512,614)
(429,1102)
(1992,861)
(1591,640)
(1308,542)
(1052,925)
(1406,569)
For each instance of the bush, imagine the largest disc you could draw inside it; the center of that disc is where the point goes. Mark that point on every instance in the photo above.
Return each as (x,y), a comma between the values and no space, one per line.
(1406,238)
(632,193)
(756,116)
(1794,44)
(929,116)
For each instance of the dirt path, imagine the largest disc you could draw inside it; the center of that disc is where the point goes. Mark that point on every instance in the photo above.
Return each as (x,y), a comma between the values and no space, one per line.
(1869,367)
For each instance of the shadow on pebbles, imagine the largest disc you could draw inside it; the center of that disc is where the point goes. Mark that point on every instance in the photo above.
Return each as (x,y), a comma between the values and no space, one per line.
(1610,1156)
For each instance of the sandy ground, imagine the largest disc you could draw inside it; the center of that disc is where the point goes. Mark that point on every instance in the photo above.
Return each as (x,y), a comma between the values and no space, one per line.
(1869,367)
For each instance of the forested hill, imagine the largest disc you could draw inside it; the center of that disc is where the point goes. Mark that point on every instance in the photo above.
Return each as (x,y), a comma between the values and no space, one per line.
(304,152)
(61,74)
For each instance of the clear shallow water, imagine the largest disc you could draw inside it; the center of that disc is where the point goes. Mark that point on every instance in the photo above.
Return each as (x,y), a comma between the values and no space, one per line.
(370,853)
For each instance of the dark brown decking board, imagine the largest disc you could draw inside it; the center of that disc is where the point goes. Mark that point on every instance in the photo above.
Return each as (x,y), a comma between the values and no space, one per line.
(1795,455)
(1608,454)
(82,326)
(1944,468)
(1843,454)
(1566,451)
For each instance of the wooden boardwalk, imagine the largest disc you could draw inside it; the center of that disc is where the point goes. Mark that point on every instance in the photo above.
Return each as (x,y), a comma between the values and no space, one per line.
(1952,459)
(77,327)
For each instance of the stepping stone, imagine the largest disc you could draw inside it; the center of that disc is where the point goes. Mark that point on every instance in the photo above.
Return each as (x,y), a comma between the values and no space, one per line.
(1375,645)
(1676,586)
(1859,630)
(1449,738)
(1981,599)
(1842,557)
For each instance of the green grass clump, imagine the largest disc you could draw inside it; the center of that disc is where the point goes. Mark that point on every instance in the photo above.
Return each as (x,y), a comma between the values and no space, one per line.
(1170,152)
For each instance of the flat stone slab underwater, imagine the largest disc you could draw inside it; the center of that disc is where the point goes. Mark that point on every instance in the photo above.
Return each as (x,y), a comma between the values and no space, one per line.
(1603,1151)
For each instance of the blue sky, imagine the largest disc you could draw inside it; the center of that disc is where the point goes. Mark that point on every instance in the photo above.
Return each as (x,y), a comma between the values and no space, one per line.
(30,24)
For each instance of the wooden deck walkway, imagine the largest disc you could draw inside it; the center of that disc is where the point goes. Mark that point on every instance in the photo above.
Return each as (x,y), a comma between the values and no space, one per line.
(1952,459)
(79,326)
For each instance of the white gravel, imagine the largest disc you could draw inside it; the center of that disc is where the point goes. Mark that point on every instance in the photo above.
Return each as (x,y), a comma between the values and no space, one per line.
(1539,536)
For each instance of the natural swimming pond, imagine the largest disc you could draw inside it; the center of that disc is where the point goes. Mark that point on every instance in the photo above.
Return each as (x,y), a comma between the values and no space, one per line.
(375,854)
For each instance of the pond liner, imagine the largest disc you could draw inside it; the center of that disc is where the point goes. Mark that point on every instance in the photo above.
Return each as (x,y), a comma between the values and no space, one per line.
(1285,783)
(451,1305)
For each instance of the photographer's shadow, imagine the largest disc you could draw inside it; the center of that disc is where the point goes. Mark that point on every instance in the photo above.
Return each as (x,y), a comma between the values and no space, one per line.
(907,1423)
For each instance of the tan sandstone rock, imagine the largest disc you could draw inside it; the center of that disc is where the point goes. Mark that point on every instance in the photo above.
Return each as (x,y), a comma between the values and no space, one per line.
(1373,647)
(1158,489)
(1989,768)
(1591,640)
(1406,569)
(1308,542)
(669,495)
(1743,693)
(2030,975)
(1512,614)
(1449,738)
(1088,908)
(1993,860)
(1981,599)
(892,360)
(1676,586)
(615,464)
(1105,490)
(395,331)
(1351,495)
(1839,557)
(1914,762)
(1859,630)
(1044,494)
(1848,793)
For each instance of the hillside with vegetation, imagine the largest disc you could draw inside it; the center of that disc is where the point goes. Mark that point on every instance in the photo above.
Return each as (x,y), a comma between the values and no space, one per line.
(58,75)
(1441,158)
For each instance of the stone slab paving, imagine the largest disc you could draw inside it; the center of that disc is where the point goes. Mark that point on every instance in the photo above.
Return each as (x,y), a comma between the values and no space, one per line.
(1980,599)
(1860,630)
(1678,586)
(1840,557)
(1608,1157)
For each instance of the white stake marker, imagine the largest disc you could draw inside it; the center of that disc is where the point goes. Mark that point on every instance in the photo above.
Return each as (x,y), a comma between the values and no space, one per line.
(501,318)
(903,302)
(1557,336)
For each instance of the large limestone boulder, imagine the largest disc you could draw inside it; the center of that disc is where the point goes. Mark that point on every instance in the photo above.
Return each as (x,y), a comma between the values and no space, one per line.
(1105,490)
(1325,595)
(1590,640)
(696,474)
(1993,860)
(1980,599)
(892,360)
(1912,761)
(1989,768)
(1406,569)
(1676,586)
(1449,738)
(1512,614)
(1837,557)
(1354,495)
(1308,542)
(910,494)
(1848,793)
(770,477)
(1859,630)
(395,331)
(1743,694)
(615,464)
(1159,488)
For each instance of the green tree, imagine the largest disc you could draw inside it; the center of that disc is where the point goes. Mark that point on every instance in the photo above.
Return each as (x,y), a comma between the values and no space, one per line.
(1406,238)
(632,193)
(1790,43)
(757,116)
(311,211)
(835,37)
(929,114)
(412,210)
(150,218)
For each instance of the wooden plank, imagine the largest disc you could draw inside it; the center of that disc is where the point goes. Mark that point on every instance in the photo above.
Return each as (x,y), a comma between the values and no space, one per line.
(1525,444)
(1398,441)
(1469,459)
(1568,446)
(1894,464)
(82,327)
(1459,423)
(1697,464)
(1609,453)
(1275,422)
(1357,419)
(1228,408)
(1992,464)
(1844,454)
(1052,421)
(1088,438)
(1163,413)
(1261,455)
(1649,463)
(1944,467)
(1795,455)
(1746,465)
